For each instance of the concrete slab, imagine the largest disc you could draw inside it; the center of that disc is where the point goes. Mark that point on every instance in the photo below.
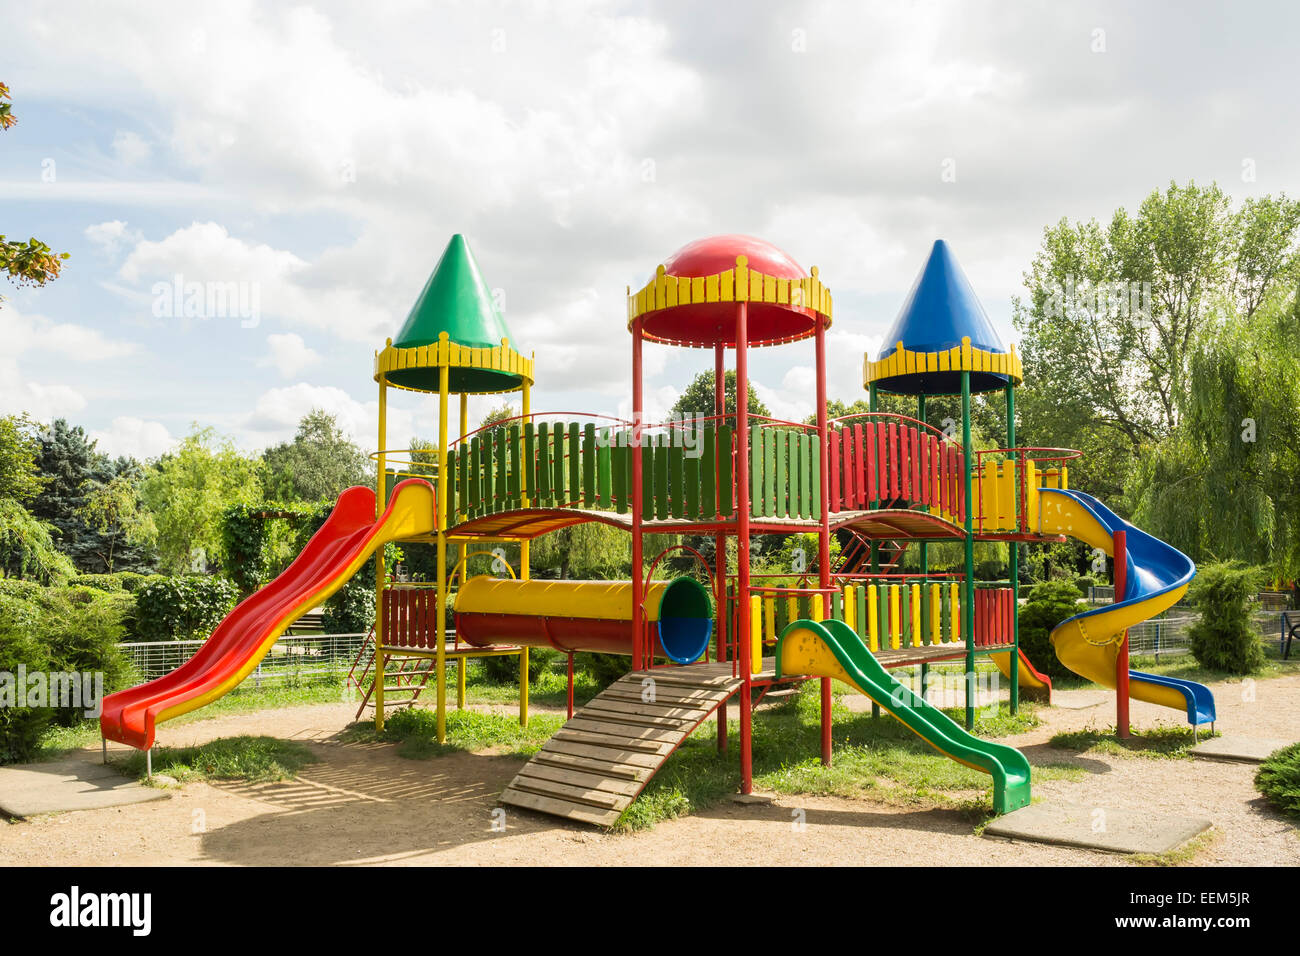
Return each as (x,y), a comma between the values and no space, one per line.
(1097,827)
(1237,749)
(1079,700)
(69,783)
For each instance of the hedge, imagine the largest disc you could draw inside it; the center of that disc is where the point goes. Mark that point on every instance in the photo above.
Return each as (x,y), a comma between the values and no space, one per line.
(182,608)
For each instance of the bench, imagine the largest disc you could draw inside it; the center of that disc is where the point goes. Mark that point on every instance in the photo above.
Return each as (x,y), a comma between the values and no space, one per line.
(1290,625)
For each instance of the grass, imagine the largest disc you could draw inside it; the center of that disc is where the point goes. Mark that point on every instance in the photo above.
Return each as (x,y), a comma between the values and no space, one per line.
(876,756)
(1167,743)
(254,759)
(414,730)
(1179,856)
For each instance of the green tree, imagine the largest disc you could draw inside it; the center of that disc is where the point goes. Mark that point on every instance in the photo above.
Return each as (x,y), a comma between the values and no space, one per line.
(1222,483)
(31,262)
(698,397)
(20,474)
(113,511)
(1113,311)
(187,491)
(318,464)
(498,413)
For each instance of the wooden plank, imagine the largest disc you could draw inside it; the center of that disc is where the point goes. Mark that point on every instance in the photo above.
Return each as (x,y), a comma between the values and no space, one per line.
(575,464)
(663,457)
(580,778)
(620,457)
(544,470)
(502,466)
(769,472)
(756,442)
(530,462)
(691,480)
(648,455)
(680,697)
(559,443)
(615,741)
(606,768)
(726,479)
(589,465)
(693,676)
(682,724)
(516,465)
(676,477)
(709,474)
(796,474)
(782,472)
(560,808)
(650,710)
(632,759)
(621,731)
(604,470)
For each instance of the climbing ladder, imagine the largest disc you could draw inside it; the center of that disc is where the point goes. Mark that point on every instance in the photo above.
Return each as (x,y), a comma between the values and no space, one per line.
(598,762)
(404,677)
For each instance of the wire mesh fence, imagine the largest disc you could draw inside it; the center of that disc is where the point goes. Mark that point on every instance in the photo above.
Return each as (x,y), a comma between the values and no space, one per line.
(295,658)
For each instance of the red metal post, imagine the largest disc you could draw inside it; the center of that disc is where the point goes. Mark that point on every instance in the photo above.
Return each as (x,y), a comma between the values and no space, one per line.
(720,539)
(638,650)
(570,685)
(741,472)
(824,532)
(1121,660)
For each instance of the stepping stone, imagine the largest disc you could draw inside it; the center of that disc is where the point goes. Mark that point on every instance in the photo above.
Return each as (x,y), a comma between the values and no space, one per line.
(1235,749)
(69,783)
(1097,828)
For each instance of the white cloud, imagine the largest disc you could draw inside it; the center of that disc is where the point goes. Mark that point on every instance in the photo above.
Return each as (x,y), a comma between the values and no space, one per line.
(70,342)
(134,437)
(129,148)
(41,401)
(111,236)
(277,411)
(288,354)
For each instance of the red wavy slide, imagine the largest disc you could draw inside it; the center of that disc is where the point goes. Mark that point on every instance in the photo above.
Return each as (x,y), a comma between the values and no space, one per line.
(336,552)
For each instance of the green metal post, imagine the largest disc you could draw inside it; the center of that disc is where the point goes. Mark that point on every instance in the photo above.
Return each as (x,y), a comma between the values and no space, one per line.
(873,404)
(968,618)
(1014,563)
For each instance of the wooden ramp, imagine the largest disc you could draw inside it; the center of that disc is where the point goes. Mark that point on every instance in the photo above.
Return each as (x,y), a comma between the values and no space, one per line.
(598,762)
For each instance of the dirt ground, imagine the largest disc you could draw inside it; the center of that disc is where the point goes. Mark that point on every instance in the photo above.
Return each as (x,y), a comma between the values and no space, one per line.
(362,804)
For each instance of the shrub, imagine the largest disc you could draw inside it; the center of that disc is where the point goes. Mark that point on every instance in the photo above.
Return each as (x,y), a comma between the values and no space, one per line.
(1224,639)
(182,608)
(57,630)
(128,581)
(351,610)
(1048,605)
(1083,582)
(604,668)
(505,669)
(1278,779)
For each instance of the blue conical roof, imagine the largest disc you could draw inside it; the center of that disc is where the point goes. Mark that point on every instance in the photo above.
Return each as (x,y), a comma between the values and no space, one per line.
(940,311)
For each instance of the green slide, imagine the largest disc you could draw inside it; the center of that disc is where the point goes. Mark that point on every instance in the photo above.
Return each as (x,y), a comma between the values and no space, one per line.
(832,649)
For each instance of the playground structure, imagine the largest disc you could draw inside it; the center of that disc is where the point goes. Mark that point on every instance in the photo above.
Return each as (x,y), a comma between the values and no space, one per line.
(883,483)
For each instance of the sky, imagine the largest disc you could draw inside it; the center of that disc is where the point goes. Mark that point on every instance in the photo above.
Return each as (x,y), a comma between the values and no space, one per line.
(312,161)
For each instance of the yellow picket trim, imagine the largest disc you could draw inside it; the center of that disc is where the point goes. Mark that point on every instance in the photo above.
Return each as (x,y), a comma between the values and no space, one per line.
(498,358)
(741,284)
(964,358)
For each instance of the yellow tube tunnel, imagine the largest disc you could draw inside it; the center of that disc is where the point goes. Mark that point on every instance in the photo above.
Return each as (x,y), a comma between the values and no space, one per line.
(584,615)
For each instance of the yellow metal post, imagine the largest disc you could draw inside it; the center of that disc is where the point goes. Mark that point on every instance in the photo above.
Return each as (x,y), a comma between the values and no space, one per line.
(936,614)
(873,616)
(380,486)
(954,611)
(460,660)
(524,557)
(895,624)
(914,605)
(755,633)
(440,661)
(850,607)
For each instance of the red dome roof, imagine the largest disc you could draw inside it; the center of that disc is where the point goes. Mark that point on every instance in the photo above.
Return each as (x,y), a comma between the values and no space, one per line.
(711,323)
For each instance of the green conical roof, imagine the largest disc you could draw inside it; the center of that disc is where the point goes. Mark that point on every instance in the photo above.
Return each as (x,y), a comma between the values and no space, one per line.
(455,300)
